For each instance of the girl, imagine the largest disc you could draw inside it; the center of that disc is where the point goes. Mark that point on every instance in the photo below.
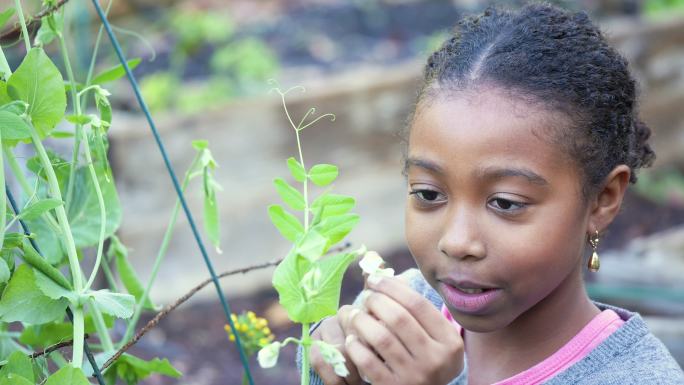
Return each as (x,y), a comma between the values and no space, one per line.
(524,139)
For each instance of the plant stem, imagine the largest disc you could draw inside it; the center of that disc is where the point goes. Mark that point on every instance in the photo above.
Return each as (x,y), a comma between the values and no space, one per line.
(28,190)
(22,21)
(76,107)
(130,328)
(3,200)
(70,245)
(306,345)
(93,175)
(101,327)
(79,337)
(103,210)
(109,276)
(96,48)
(306,183)
(53,186)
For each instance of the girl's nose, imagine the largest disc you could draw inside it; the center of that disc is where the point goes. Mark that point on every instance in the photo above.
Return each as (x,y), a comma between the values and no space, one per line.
(461,237)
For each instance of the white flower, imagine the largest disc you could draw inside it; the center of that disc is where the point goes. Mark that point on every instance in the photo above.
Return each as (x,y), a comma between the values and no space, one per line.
(372,264)
(268,355)
(334,357)
(311,282)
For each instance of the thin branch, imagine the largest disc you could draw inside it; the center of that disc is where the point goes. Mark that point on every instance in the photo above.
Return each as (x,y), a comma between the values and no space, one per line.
(34,19)
(164,312)
(54,347)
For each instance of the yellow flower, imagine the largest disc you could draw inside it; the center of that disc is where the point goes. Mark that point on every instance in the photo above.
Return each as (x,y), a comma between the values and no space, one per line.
(231,337)
(266,330)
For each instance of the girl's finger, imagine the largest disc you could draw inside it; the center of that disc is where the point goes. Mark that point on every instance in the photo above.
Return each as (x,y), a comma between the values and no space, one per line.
(420,308)
(334,335)
(399,321)
(385,343)
(375,371)
(323,369)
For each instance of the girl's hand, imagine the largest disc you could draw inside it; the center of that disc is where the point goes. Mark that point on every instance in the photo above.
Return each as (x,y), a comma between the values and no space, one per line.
(331,331)
(401,338)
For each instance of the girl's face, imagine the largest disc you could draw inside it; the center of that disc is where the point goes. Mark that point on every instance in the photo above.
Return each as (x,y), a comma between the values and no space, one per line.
(494,219)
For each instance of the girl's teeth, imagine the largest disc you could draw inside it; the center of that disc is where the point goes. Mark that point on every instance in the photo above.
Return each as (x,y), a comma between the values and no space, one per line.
(472,291)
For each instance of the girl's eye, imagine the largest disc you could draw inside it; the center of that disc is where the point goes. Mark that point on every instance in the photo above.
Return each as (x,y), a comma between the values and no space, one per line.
(506,205)
(427,196)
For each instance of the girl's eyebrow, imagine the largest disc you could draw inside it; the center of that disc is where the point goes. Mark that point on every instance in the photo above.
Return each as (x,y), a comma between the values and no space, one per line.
(423,163)
(495,172)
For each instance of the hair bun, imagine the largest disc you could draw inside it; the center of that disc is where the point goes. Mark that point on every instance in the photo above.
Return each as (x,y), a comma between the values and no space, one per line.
(643,155)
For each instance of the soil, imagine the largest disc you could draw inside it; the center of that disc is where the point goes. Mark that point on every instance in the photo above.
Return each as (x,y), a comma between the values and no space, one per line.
(193,338)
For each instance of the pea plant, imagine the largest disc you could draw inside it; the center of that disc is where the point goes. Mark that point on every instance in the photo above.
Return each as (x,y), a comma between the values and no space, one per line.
(308,280)
(67,211)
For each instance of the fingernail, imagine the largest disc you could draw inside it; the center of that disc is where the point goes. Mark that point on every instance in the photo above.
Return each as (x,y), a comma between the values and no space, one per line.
(350,338)
(363,296)
(364,377)
(374,279)
(354,313)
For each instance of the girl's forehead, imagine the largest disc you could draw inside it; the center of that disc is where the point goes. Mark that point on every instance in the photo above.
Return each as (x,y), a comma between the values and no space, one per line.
(485,129)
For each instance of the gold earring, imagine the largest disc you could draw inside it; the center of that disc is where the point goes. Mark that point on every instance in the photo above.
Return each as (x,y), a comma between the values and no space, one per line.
(594,263)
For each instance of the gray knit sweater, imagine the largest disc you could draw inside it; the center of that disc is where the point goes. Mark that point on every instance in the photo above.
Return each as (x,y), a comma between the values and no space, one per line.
(630,356)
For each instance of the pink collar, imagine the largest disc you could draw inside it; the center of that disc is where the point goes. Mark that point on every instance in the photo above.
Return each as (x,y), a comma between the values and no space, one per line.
(595,332)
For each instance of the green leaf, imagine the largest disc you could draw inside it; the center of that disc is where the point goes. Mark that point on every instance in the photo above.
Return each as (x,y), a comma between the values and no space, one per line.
(312,245)
(13,127)
(133,369)
(39,83)
(36,209)
(328,205)
(51,333)
(116,304)
(46,334)
(104,107)
(83,214)
(296,169)
(4,271)
(84,210)
(323,174)
(7,346)
(45,33)
(200,144)
(287,224)
(61,134)
(335,228)
(323,301)
(114,73)
(13,240)
(18,364)
(5,16)
(211,212)
(290,195)
(23,300)
(4,96)
(13,379)
(79,119)
(127,273)
(53,290)
(68,375)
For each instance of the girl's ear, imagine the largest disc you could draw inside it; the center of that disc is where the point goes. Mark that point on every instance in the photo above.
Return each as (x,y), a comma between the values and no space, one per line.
(606,203)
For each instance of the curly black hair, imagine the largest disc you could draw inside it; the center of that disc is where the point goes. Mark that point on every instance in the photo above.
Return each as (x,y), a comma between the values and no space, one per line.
(558,58)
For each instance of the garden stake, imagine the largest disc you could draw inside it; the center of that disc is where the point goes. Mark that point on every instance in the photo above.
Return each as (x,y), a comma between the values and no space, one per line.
(176,185)
(86,348)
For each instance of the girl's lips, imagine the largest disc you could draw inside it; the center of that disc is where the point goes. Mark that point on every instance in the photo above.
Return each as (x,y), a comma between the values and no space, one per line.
(469,302)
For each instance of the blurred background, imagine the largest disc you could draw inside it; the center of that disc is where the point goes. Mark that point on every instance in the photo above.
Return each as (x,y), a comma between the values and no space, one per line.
(204,69)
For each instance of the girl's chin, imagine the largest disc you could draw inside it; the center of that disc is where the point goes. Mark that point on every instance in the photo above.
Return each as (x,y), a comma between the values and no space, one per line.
(479,323)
